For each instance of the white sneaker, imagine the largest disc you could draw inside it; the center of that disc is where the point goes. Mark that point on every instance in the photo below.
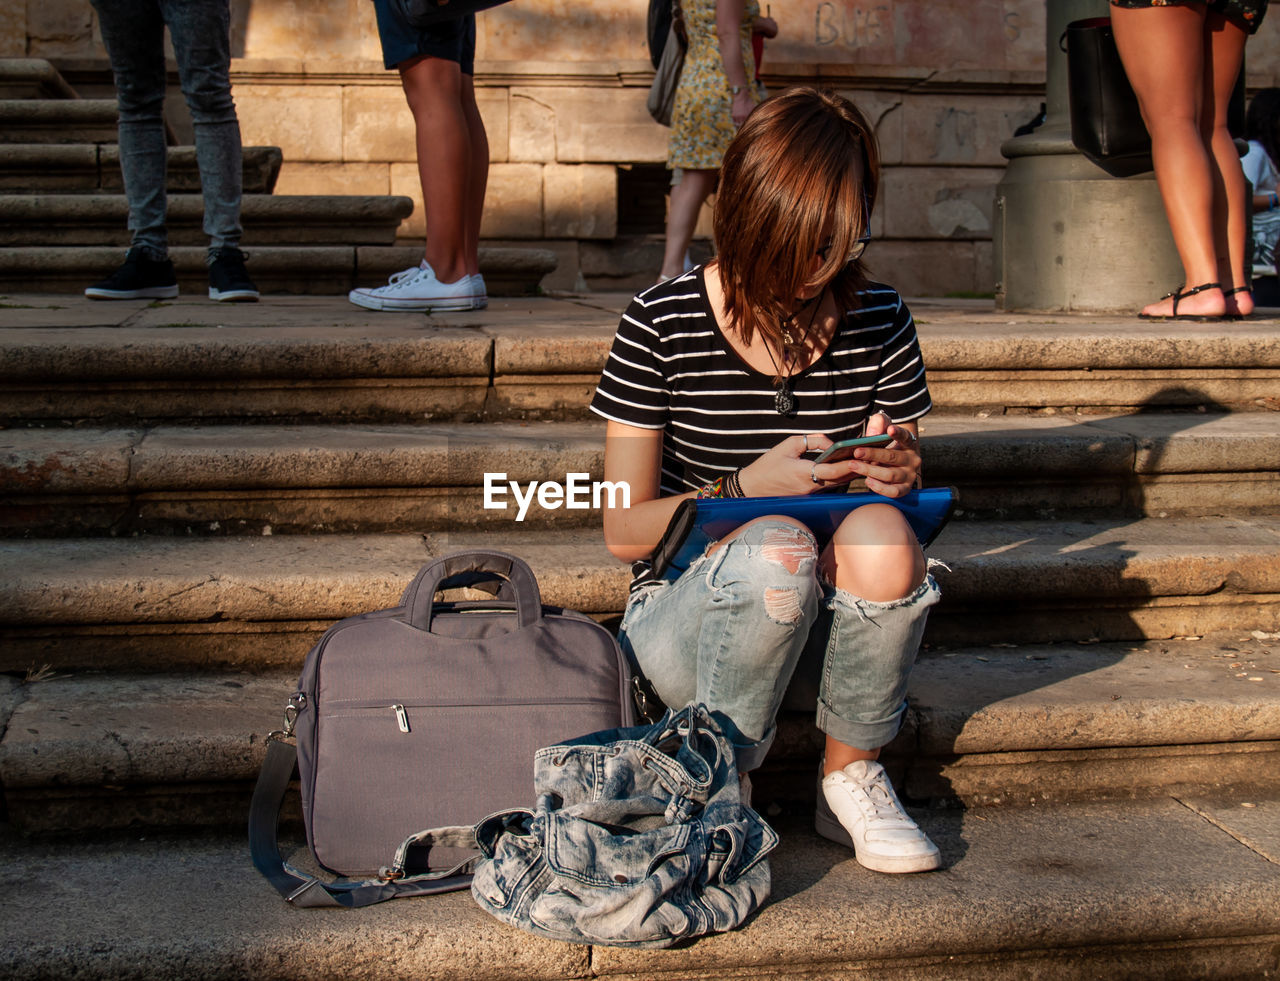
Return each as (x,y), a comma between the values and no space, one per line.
(857,807)
(480,295)
(416,288)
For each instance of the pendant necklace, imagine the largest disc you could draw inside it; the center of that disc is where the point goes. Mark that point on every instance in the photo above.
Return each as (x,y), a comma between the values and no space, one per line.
(787,339)
(784,400)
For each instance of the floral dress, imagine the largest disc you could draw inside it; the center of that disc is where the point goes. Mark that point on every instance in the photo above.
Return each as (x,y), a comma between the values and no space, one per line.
(702,120)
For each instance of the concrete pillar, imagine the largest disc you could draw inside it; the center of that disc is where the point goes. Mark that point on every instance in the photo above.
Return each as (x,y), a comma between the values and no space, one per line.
(1067,235)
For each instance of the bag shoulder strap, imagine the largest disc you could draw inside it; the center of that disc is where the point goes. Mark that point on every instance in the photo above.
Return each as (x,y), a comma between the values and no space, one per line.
(303,890)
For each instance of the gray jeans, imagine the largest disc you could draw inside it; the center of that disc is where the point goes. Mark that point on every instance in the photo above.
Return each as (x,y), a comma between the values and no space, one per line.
(737,626)
(133,32)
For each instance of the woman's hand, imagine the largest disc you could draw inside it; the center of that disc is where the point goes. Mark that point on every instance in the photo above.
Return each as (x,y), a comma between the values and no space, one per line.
(784,470)
(766,26)
(892,470)
(742,106)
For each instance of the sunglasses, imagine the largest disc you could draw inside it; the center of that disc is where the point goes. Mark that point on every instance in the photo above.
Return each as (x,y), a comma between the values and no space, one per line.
(860,245)
(855,252)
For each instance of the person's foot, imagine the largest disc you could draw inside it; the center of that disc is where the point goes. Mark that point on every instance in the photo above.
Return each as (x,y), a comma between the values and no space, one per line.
(480,295)
(228,280)
(1239,302)
(140,277)
(857,807)
(1204,302)
(418,289)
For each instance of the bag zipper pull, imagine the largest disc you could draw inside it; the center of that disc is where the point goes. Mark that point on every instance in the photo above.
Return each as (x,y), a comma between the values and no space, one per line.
(402,717)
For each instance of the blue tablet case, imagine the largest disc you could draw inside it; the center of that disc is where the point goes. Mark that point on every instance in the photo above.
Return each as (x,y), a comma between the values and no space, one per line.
(698,522)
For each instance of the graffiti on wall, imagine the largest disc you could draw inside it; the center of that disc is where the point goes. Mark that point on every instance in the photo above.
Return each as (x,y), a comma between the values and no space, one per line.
(851,25)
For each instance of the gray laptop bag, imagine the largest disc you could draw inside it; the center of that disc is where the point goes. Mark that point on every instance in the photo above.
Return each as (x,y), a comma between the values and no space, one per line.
(428,715)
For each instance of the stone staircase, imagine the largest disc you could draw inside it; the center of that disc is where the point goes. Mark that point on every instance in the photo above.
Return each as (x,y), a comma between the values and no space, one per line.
(63,212)
(190,494)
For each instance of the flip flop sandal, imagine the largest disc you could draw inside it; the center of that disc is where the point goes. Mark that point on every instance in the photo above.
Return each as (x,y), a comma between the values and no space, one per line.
(1179,296)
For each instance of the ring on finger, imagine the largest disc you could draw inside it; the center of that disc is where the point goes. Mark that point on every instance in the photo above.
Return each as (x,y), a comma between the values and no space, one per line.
(806,442)
(813,474)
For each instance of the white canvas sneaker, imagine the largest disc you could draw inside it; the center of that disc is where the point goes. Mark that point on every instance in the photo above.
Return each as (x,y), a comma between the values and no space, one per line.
(480,295)
(857,807)
(416,288)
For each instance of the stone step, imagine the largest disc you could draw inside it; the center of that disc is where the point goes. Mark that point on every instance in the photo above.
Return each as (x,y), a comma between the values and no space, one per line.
(32,78)
(60,120)
(1178,887)
(237,479)
(538,357)
(1033,725)
(315,269)
(1061,722)
(269,219)
(261,602)
(87,168)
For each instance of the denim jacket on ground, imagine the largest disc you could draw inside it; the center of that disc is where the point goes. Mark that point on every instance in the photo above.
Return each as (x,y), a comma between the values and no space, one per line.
(639,838)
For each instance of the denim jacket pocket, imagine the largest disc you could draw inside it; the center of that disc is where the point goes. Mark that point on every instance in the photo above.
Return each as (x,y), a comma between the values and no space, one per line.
(595,855)
(624,889)
(496,884)
(735,848)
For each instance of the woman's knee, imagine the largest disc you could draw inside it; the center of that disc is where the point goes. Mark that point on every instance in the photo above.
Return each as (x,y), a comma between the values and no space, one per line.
(778,556)
(874,554)
(775,539)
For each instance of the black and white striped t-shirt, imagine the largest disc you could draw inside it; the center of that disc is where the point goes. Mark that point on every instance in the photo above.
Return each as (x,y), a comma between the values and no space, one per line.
(671,368)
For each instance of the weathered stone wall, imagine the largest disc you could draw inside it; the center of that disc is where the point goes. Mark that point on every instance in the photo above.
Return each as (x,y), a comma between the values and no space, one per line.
(562,87)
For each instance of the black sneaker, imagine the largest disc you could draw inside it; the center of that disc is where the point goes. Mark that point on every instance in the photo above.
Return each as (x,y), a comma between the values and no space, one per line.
(141,277)
(228,279)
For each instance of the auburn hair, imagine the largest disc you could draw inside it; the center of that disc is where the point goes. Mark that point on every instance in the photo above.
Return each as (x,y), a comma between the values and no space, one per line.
(802,173)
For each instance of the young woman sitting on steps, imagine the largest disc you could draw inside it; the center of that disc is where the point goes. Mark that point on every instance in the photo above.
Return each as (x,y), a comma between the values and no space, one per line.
(726,380)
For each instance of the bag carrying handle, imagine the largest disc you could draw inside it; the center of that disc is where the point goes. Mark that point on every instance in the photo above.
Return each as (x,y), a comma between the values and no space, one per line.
(468,569)
(303,890)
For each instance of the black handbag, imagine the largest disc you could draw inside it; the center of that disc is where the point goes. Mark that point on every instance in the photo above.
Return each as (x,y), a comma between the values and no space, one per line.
(659,24)
(420,13)
(1106,123)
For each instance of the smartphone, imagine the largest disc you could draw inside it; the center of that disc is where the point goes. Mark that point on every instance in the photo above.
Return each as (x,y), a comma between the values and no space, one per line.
(844,449)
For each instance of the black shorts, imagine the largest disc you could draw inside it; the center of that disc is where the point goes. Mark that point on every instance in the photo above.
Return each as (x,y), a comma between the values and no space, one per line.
(1247,13)
(452,40)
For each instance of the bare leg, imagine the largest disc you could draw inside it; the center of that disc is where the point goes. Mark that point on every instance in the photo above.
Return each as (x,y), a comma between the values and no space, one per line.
(479,173)
(1164,51)
(874,555)
(686,200)
(1224,53)
(434,90)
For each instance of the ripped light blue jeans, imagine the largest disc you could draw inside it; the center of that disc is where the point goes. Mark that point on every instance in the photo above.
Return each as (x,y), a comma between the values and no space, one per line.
(731,632)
